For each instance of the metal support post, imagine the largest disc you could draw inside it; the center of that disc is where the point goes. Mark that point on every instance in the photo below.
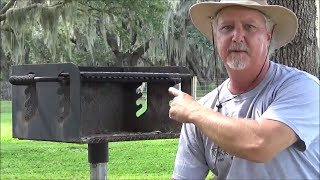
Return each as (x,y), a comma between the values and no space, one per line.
(98,158)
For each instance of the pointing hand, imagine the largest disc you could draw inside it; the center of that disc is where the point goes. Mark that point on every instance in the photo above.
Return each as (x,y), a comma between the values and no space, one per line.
(183,106)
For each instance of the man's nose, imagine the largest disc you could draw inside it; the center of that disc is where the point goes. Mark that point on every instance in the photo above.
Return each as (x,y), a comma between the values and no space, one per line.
(238,35)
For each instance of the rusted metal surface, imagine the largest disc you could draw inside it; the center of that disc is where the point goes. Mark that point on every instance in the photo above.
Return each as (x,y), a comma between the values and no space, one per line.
(67,103)
(129,136)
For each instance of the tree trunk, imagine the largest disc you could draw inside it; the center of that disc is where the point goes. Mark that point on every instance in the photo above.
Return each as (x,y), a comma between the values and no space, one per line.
(301,52)
(5,86)
(4,65)
(27,54)
(125,59)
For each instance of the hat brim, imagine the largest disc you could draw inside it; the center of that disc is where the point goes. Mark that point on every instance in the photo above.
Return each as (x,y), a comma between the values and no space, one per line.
(286,22)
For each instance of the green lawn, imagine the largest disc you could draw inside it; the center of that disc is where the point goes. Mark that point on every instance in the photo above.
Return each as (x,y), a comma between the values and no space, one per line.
(23,159)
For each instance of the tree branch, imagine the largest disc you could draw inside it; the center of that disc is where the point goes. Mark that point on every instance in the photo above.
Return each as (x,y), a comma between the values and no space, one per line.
(142,49)
(3,16)
(134,38)
(147,60)
(192,64)
(6,29)
(7,6)
(138,53)
(113,43)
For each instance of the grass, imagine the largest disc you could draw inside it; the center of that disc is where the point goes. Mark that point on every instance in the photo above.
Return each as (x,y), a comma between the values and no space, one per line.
(24,159)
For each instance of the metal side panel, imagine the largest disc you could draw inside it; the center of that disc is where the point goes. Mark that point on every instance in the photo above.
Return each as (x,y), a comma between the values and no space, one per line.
(48,111)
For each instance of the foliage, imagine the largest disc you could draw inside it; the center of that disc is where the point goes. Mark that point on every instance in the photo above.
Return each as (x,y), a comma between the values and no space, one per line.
(106,32)
(56,33)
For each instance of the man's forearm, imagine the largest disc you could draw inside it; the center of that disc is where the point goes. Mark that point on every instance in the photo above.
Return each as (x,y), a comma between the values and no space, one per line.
(240,137)
(255,140)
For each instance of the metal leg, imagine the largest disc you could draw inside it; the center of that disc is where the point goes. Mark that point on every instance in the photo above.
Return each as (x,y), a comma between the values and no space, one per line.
(98,171)
(98,158)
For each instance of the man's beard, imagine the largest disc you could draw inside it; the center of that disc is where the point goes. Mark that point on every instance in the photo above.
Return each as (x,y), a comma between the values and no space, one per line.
(236,61)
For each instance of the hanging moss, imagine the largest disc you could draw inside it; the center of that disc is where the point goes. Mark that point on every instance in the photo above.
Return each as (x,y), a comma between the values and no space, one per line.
(75,20)
(17,21)
(21,20)
(177,39)
(104,23)
(49,21)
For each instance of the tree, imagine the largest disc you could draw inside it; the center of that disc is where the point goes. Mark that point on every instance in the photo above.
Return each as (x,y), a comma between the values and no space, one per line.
(121,33)
(85,32)
(174,40)
(124,27)
(302,51)
(182,44)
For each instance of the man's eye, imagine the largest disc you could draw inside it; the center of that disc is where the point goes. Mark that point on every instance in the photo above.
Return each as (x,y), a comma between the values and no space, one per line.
(226,28)
(250,26)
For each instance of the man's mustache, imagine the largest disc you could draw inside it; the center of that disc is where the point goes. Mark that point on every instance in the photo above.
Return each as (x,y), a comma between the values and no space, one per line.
(238,47)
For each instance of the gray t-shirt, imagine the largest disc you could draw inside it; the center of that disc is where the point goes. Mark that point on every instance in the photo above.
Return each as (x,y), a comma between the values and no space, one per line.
(286,95)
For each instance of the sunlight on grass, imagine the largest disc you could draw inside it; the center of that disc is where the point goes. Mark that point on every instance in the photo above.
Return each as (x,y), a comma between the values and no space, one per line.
(5,117)
(6,128)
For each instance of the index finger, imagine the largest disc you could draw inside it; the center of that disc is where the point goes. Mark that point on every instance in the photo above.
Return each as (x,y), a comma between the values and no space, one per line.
(174,91)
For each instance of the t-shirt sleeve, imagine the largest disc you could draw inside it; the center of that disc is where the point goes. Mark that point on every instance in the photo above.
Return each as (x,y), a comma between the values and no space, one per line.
(190,160)
(296,104)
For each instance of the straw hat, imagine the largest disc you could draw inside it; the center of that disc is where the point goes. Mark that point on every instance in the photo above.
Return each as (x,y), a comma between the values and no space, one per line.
(286,22)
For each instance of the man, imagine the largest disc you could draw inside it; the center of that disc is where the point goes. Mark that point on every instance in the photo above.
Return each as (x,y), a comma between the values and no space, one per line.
(262,122)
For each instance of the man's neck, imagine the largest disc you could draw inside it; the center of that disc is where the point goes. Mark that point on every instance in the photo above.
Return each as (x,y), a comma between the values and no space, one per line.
(244,81)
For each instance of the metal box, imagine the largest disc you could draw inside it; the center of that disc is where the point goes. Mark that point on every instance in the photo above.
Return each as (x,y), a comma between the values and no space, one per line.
(69,103)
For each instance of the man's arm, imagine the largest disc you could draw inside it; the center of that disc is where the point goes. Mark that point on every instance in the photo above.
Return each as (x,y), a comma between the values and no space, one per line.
(255,140)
